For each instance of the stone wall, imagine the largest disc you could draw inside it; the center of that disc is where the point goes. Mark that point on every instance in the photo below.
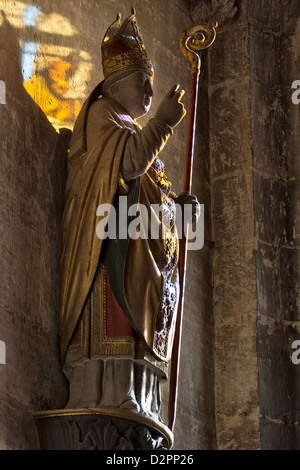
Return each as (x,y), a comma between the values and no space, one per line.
(238,387)
(254,183)
(275,37)
(32,177)
(50,59)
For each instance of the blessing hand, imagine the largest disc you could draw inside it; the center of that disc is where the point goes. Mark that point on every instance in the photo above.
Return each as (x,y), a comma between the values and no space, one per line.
(171,110)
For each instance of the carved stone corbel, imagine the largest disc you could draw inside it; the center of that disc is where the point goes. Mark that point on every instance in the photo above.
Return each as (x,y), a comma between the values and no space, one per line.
(100,429)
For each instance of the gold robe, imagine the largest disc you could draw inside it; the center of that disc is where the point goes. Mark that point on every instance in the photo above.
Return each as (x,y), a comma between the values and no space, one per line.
(142,272)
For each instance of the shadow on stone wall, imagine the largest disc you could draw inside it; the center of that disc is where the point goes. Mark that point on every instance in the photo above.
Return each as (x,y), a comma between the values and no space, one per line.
(33,172)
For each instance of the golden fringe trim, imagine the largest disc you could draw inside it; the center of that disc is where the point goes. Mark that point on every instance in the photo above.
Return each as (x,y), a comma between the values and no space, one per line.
(116,349)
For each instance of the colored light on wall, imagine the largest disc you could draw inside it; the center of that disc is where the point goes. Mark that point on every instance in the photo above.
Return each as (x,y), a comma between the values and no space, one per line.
(55,71)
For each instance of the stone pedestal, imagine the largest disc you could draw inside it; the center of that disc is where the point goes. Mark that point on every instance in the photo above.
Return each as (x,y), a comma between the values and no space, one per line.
(100,429)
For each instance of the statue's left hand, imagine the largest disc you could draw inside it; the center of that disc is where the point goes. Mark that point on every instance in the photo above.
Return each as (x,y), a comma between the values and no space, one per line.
(185,198)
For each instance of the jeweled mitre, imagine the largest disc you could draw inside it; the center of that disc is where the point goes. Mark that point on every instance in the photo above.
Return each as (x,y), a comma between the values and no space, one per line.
(123,48)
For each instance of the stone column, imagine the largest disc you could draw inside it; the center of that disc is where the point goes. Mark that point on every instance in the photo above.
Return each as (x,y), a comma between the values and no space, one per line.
(254,141)
(233,224)
(274,30)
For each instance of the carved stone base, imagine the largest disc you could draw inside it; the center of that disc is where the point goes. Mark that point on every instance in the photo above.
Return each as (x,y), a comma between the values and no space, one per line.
(100,429)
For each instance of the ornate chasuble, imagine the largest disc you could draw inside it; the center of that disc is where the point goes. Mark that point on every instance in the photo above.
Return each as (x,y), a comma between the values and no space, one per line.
(119,297)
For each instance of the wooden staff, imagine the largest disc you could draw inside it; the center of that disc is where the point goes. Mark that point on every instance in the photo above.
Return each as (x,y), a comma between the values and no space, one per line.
(191,42)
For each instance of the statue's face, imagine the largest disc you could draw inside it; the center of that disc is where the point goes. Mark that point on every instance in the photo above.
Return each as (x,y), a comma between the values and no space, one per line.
(134,93)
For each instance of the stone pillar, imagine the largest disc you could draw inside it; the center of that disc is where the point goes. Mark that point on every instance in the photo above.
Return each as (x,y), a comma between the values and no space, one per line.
(232,215)
(254,140)
(274,30)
